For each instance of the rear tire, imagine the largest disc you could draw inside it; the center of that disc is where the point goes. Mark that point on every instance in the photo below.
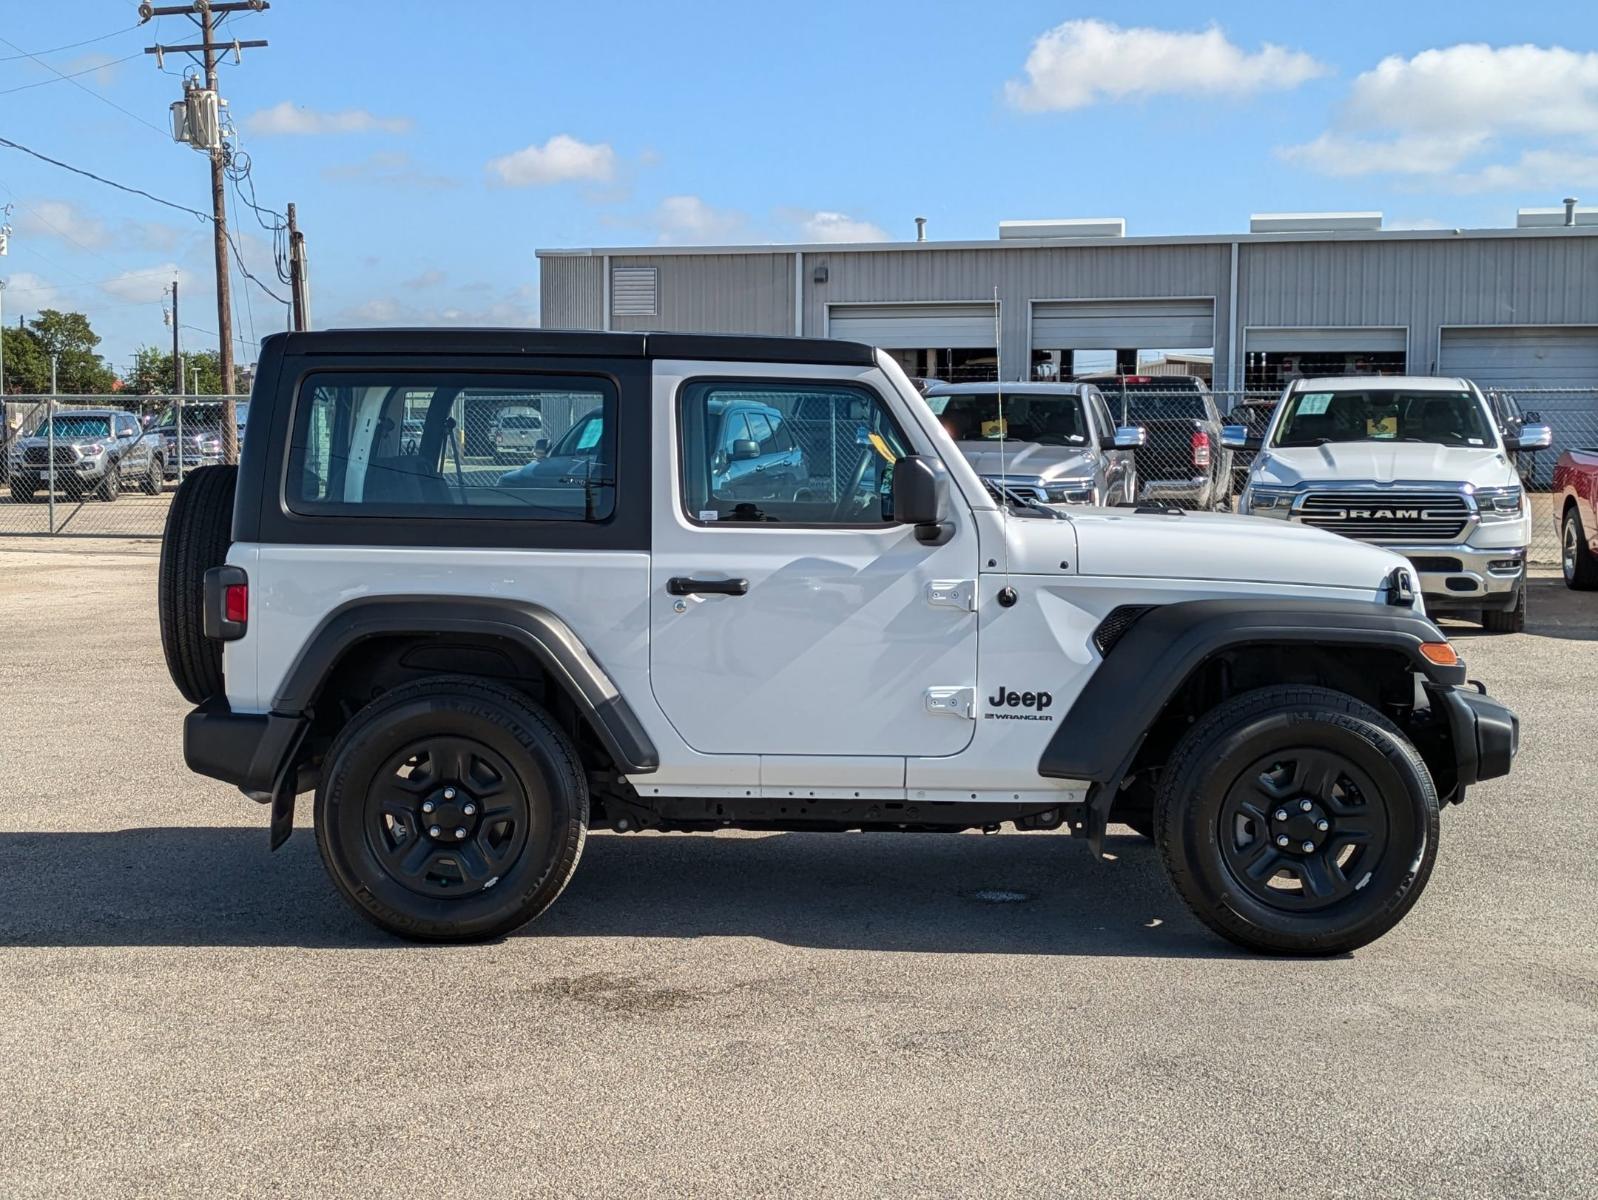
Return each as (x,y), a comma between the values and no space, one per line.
(1579,562)
(451,810)
(1510,620)
(199,527)
(1326,772)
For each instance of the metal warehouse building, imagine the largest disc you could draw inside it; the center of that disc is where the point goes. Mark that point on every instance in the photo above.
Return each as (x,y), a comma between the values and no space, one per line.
(1298,294)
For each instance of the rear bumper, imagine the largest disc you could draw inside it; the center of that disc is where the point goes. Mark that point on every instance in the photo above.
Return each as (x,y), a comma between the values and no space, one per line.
(1197,491)
(1485,734)
(251,750)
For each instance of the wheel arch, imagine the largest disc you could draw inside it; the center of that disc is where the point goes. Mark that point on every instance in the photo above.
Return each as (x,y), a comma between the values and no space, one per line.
(417,635)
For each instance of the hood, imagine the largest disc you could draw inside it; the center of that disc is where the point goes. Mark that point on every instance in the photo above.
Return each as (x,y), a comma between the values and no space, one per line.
(1221,546)
(1383,462)
(1028,458)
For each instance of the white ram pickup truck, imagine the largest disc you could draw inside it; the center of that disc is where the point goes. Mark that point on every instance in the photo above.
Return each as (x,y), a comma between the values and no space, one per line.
(1413,463)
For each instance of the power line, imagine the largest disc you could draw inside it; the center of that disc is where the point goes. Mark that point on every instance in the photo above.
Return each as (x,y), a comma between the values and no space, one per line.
(87,90)
(69,78)
(68,46)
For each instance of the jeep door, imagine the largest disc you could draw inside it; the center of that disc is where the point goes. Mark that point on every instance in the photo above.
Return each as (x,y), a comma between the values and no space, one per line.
(803,624)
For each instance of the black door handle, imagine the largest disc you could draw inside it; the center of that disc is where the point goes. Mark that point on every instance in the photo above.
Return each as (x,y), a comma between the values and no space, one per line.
(681,586)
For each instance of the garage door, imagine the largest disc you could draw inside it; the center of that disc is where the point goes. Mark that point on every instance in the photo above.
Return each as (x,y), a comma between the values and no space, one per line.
(1523,356)
(1364,340)
(913,326)
(1123,325)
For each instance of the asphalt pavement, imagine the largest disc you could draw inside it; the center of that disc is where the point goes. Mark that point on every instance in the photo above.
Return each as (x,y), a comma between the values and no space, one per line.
(757,1015)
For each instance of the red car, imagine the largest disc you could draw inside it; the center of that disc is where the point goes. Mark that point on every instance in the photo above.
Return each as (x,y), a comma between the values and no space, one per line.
(1576,508)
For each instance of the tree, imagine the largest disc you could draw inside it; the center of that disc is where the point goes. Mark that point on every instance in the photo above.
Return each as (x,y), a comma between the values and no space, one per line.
(27,369)
(68,336)
(150,372)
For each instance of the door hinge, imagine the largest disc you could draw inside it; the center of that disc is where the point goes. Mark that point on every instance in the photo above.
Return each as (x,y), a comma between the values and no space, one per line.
(953,701)
(953,593)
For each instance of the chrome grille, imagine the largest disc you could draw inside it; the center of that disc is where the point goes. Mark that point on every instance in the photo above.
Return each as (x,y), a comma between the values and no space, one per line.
(1382,516)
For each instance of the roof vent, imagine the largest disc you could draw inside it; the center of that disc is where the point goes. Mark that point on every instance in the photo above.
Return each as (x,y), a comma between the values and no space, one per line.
(1324,222)
(1072,227)
(1570,213)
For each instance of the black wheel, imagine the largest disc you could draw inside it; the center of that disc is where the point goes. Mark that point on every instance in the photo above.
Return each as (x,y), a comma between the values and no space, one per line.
(1297,820)
(451,810)
(111,486)
(1507,620)
(199,527)
(1576,557)
(154,477)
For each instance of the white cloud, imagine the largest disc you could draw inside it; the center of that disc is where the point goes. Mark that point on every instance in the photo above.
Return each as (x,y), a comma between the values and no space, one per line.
(516,306)
(290,118)
(688,219)
(839,227)
(148,283)
(28,293)
(389,169)
(65,220)
(559,160)
(1439,116)
(1087,61)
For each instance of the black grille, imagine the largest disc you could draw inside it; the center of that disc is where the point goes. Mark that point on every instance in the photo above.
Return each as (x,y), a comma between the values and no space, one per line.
(1113,628)
(36,456)
(1382,516)
(1437,566)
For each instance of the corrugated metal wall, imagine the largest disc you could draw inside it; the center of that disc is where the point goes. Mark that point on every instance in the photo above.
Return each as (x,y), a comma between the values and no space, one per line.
(720,293)
(571,291)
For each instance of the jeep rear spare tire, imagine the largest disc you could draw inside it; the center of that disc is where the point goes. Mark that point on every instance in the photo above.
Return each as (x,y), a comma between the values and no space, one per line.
(451,810)
(1297,820)
(199,528)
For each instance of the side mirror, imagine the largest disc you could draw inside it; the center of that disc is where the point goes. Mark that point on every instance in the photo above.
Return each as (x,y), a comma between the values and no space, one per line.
(541,448)
(921,497)
(1130,437)
(1237,437)
(1532,437)
(744,449)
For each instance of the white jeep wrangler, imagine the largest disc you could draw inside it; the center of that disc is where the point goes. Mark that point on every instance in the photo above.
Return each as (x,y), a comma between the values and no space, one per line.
(1414,463)
(818,620)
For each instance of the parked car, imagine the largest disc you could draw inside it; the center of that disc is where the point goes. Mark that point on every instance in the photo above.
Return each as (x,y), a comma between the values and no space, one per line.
(202,434)
(1059,444)
(98,451)
(1181,463)
(517,435)
(1254,416)
(1414,463)
(469,688)
(1575,508)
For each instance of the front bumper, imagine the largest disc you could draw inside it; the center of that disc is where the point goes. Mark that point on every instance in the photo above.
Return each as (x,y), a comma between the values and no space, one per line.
(1485,735)
(1465,576)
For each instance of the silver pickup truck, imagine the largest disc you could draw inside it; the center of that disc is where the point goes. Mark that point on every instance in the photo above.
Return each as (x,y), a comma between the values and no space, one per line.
(97,451)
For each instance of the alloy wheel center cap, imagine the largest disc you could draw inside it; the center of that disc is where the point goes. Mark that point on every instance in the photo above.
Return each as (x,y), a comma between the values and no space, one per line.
(1300,826)
(449,815)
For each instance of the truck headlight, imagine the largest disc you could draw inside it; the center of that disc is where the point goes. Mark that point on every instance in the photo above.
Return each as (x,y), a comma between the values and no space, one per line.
(1500,503)
(1267,502)
(1072,491)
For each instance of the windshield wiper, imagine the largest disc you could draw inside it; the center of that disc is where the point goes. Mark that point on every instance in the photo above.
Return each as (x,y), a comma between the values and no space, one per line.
(1314,441)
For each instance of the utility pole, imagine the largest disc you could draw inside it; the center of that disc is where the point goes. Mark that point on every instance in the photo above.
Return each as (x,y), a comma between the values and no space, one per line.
(5,249)
(204,13)
(299,293)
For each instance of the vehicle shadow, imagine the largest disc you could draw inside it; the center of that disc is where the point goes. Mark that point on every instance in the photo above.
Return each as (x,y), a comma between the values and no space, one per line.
(1552,610)
(928,893)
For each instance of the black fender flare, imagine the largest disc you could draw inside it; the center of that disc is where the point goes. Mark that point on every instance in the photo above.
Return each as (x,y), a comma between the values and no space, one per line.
(541,632)
(1099,738)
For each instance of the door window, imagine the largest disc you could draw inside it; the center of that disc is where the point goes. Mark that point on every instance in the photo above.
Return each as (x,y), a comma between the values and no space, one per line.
(824,453)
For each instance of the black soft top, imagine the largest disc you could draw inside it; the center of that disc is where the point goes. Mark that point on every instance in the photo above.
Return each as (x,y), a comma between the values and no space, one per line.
(584,342)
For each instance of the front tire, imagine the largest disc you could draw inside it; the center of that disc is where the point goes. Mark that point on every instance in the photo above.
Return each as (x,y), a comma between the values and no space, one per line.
(1579,563)
(1509,620)
(451,810)
(1297,820)
(154,477)
(111,486)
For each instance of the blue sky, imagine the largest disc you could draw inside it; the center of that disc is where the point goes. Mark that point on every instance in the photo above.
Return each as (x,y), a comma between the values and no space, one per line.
(432,147)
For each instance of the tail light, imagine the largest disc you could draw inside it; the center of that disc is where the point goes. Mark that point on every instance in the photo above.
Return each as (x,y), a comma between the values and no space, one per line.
(1201,448)
(227,603)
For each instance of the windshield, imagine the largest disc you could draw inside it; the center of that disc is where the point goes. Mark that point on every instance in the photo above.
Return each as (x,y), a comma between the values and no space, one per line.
(582,438)
(523,421)
(1438,418)
(1047,420)
(1157,399)
(200,415)
(77,427)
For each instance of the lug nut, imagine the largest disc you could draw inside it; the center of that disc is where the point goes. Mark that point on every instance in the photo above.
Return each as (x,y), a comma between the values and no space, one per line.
(1303,805)
(1323,826)
(1280,814)
(460,834)
(1282,841)
(434,831)
(470,810)
(1307,847)
(427,806)
(449,793)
